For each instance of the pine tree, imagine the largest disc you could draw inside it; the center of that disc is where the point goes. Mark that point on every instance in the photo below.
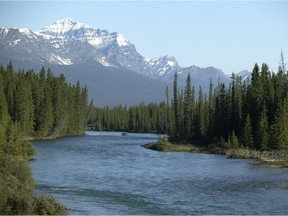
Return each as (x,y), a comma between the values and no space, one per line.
(257,97)
(221,113)
(279,132)
(261,136)
(233,140)
(24,110)
(187,108)
(4,115)
(168,126)
(211,113)
(177,122)
(45,117)
(200,115)
(247,135)
(10,89)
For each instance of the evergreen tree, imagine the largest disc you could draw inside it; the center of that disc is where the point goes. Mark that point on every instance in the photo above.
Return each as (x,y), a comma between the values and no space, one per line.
(211,113)
(233,140)
(247,135)
(4,115)
(24,110)
(257,97)
(177,121)
(187,108)
(168,113)
(10,89)
(200,115)
(261,136)
(279,136)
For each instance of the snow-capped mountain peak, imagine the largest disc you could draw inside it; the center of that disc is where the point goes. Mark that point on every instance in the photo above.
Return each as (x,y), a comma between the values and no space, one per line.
(121,40)
(61,28)
(67,42)
(163,65)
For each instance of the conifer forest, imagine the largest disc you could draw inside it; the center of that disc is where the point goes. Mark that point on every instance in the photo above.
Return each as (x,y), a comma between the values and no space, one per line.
(246,114)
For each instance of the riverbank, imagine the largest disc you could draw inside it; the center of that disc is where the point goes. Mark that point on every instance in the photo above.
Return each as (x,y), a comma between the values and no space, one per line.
(274,158)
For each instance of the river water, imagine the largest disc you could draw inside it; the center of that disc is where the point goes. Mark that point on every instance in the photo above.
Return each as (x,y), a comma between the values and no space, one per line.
(106,173)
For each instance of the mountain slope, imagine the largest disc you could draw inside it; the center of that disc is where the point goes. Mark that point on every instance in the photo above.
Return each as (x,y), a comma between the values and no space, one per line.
(94,55)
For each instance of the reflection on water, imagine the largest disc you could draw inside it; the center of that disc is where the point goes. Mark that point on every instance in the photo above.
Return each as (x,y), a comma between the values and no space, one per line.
(106,173)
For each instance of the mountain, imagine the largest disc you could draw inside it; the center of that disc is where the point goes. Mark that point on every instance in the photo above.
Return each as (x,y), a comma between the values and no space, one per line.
(89,54)
(245,75)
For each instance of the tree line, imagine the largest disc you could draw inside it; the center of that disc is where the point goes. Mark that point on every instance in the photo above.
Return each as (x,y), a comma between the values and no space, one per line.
(248,114)
(138,118)
(33,105)
(41,104)
(251,114)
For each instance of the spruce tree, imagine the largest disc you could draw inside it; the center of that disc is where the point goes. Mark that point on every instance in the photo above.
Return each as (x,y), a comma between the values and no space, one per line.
(176,107)
(24,110)
(247,135)
(187,108)
(262,135)
(279,132)
(234,143)
(4,115)
(200,115)
(168,125)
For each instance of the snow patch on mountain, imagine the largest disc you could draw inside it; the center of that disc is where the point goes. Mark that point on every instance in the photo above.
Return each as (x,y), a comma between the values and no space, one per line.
(95,41)
(121,40)
(58,60)
(60,27)
(24,30)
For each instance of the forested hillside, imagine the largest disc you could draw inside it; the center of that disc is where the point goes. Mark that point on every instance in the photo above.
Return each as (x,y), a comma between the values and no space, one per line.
(33,105)
(251,114)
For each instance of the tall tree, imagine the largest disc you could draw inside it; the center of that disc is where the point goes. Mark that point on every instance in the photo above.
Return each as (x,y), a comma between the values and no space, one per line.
(24,110)
(200,115)
(4,115)
(247,134)
(168,113)
(262,135)
(177,122)
(187,108)
(279,136)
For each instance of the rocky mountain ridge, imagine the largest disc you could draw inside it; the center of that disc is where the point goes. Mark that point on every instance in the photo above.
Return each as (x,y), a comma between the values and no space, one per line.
(77,46)
(67,42)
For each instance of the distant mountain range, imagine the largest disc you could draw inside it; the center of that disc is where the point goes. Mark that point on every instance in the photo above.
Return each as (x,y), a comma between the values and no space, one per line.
(106,62)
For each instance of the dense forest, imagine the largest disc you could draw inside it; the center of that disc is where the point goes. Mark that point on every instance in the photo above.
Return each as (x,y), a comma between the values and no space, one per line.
(246,114)
(41,104)
(33,105)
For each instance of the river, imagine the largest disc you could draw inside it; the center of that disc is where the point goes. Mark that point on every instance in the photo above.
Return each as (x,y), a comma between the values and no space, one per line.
(106,173)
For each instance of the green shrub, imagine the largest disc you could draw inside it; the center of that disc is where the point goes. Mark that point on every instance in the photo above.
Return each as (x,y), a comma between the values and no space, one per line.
(47,205)
(16,187)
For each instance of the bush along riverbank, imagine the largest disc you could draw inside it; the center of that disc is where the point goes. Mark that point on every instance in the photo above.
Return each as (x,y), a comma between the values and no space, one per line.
(17,184)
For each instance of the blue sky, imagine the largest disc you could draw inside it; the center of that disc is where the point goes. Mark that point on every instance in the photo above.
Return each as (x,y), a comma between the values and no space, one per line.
(229,35)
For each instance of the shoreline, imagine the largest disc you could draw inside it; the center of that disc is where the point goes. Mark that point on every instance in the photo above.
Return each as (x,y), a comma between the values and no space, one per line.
(274,158)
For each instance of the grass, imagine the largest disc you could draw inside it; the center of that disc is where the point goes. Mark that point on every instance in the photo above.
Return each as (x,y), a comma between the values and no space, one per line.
(171,147)
(165,146)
